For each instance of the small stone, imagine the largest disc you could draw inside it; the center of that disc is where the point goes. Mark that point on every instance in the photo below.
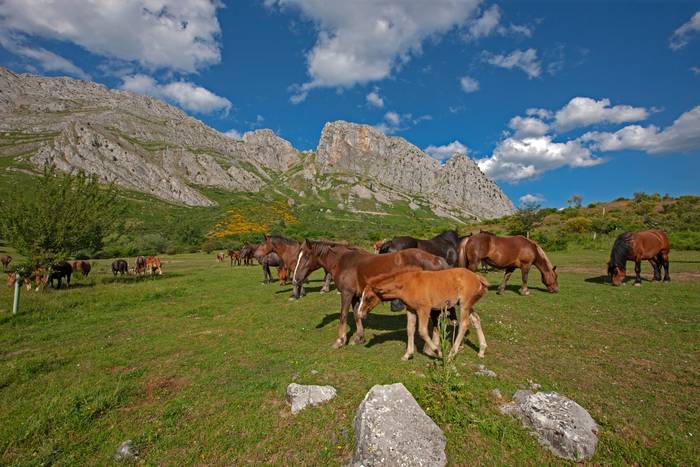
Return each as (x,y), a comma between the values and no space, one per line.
(314,372)
(496,393)
(483,371)
(295,376)
(126,451)
(560,424)
(534,386)
(301,396)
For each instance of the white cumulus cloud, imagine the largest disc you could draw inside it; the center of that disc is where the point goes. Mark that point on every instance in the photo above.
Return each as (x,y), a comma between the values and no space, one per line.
(374,99)
(489,23)
(528,126)
(46,59)
(365,41)
(525,60)
(187,95)
(530,198)
(444,152)
(584,111)
(683,34)
(469,84)
(180,35)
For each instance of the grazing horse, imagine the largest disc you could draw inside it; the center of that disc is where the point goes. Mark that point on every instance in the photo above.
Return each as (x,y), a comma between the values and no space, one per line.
(82,266)
(507,253)
(120,266)
(272,259)
(651,245)
(38,277)
(57,272)
(289,251)
(444,245)
(423,291)
(235,256)
(5,260)
(140,267)
(247,254)
(153,265)
(352,268)
(220,256)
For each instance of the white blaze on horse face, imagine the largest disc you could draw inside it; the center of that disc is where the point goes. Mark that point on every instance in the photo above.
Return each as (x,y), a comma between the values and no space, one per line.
(294,276)
(362,302)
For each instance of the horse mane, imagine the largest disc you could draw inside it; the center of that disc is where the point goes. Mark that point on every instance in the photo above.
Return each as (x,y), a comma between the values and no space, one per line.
(322,247)
(620,249)
(281,239)
(543,255)
(374,280)
(448,235)
(487,232)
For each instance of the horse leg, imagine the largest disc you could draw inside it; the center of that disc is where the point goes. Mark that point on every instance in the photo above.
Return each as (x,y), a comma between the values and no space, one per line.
(463,327)
(345,301)
(359,336)
(327,283)
(435,319)
(476,321)
(506,276)
(638,272)
(430,348)
(656,266)
(664,257)
(410,331)
(525,269)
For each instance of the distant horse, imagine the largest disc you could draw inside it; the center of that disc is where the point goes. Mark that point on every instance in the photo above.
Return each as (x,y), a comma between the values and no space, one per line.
(288,250)
(5,260)
(38,277)
(220,256)
(247,254)
(423,291)
(651,245)
(120,266)
(272,259)
(508,253)
(378,244)
(57,272)
(82,266)
(444,245)
(140,267)
(153,265)
(353,267)
(235,256)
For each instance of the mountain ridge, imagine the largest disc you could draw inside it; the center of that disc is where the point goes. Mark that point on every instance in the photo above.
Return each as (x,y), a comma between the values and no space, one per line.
(147,145)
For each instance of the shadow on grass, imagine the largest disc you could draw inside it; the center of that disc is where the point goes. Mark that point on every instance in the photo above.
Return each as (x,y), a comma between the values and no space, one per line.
(516,288)
(605,280)
(381,322)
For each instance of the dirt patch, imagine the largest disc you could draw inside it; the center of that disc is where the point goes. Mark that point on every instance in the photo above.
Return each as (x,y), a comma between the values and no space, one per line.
(158,386)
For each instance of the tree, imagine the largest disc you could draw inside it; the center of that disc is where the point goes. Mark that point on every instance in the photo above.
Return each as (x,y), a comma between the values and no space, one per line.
(59,215)
(575,201)
(527,218)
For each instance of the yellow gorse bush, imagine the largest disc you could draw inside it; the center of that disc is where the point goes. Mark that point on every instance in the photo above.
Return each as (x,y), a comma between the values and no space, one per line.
(252,220)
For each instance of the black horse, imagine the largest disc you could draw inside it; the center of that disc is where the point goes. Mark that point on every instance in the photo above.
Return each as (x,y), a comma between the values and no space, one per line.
(444,245)
(58,271)
(120,266)
(267,261)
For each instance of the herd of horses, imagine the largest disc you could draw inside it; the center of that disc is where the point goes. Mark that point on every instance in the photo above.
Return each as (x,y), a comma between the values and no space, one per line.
(426,276)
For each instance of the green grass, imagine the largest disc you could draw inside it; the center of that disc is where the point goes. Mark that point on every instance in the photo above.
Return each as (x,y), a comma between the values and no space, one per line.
(192,366)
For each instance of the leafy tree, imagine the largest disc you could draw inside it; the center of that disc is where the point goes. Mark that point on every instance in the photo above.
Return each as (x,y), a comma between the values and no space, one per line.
(59,215)
(527,218)
(575,201)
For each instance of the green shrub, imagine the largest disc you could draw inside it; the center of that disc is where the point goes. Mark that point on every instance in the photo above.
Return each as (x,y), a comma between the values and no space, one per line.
(578,224)
(684,240)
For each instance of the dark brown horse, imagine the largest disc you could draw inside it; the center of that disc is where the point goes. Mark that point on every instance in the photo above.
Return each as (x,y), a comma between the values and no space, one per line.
(235,256)
(651,245)
(444,245)
(352,268)
(272,259)
(507,253)
(247,254)
(288,250)
(82,266)
(57,272)
(5,260)
(140,267)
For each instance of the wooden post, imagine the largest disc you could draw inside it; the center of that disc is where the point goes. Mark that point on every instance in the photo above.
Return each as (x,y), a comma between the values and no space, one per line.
(18,287)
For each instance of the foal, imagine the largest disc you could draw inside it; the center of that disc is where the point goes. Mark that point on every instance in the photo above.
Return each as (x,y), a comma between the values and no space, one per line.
(423,291)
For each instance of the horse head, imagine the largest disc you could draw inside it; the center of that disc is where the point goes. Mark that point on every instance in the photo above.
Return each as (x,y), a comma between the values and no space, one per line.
(616,274)
(549,278)
(264,249)
(304,262)
(368,301)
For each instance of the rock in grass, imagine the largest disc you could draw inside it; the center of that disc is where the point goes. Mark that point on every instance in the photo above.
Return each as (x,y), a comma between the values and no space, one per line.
(483,371)
(560,424)
(300,396)
(126,451)
(392,429)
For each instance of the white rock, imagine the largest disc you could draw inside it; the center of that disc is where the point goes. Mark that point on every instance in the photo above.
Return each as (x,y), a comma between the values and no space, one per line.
(300,396)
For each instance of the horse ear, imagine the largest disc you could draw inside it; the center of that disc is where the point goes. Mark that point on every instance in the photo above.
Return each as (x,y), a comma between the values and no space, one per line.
(554,268)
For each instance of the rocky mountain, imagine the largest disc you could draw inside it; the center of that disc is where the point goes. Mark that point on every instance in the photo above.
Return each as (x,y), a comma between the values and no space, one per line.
(146,145)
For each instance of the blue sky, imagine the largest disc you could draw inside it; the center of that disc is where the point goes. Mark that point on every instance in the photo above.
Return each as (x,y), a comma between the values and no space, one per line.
(600,99)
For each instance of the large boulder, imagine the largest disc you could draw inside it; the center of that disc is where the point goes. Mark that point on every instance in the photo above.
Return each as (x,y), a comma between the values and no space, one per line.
(560,424)
(300,396)
(392,429)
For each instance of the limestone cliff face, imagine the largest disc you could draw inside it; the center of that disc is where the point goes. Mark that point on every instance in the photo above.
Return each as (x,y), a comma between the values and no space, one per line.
(144,144)
(393,161)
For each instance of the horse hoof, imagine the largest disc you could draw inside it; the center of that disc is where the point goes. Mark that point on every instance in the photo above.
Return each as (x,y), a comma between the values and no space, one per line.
(481,354)
(407,357)
(291,299)
(338,344)
(356,341)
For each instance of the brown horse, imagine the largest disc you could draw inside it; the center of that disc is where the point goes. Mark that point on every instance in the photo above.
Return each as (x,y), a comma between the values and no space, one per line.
(140,267)
(423,291)
(5,260)
(651,245)
(83,266)
(153,265)
(508,253)
(247,254)
(288,250)
(37,277)
(235,257)
(220,256)
(351,268)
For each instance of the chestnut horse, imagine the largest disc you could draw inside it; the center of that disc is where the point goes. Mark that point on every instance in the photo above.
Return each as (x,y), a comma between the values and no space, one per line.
(82,266)
(352,267)
(153,265)
(651,245)
(235,256)
(423,291)
(508,253)
(5,260)
(289,250)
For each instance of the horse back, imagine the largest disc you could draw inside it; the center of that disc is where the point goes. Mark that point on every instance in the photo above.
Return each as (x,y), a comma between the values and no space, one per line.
(649,243)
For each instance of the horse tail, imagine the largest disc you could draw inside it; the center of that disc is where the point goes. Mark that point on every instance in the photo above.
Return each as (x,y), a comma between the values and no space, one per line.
(462,253)
(484,285)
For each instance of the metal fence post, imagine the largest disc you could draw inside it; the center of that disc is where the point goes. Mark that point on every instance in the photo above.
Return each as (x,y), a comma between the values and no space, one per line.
(18,284)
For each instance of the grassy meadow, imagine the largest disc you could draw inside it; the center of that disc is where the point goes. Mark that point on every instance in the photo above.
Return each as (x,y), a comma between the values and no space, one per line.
(193,365)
